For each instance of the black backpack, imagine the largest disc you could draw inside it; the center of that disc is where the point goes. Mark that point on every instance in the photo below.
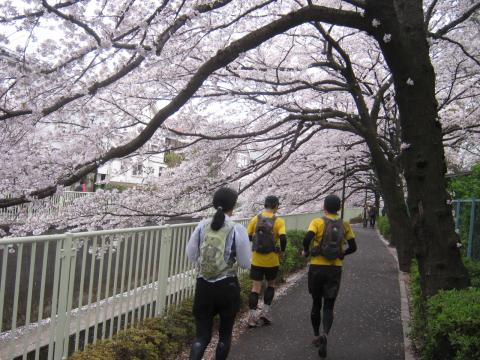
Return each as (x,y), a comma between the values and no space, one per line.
(263,239)
(330,246)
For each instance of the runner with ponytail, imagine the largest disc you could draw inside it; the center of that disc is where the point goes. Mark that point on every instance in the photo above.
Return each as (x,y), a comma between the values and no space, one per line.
(218,246)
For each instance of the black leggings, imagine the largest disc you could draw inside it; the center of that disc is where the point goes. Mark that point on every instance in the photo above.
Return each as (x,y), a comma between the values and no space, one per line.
(211,298)
(204,335)
(323,285)
(316,318)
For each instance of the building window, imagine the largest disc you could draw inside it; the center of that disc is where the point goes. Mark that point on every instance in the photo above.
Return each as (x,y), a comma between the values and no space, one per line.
(138,169)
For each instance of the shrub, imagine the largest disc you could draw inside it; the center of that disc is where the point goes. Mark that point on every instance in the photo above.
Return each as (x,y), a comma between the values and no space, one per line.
(473,268)
(447,325)
(384,227)
(245,288)
(293,259)
(453,325)
(418,323)
(115,186)
(466,186)
(158,338)
(173,159)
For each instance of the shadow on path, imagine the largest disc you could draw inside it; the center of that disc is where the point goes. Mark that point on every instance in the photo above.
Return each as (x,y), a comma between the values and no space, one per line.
(367,323)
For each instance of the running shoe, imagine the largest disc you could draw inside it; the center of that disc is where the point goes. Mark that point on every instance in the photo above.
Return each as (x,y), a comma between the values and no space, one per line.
(316,341)
(266,317)
(252,320)
(322,348)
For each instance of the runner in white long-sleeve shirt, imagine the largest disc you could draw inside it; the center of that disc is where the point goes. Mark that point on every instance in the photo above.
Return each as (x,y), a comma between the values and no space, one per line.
(218,246)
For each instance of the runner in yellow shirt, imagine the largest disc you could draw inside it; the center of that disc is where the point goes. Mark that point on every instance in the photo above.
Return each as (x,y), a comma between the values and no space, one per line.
(268,233)
(330,235)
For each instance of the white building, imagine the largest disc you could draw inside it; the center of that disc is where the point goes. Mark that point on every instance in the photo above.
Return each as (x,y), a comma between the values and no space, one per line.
(140,169)
(133,170)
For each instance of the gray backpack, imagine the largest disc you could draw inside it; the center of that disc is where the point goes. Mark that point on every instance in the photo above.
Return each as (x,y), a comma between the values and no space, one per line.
(212,259)
(330,246)
(263,239)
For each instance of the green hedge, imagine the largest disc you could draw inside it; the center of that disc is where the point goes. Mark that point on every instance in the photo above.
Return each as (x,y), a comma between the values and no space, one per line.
(453,325)
(473,268)
(418,321)
(384,227)
(293,259)
(157,338)
(164,338)
(447,326)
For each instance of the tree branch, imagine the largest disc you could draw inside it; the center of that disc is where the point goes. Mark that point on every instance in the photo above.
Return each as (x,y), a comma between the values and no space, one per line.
(219,60)
(451,25)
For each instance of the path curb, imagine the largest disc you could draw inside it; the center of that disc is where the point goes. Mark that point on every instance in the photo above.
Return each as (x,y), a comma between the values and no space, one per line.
(403,280)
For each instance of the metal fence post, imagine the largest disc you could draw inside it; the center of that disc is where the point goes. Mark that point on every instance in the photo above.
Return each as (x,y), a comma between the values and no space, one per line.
(457,216)
(471,230)
(164,265)
(63,290)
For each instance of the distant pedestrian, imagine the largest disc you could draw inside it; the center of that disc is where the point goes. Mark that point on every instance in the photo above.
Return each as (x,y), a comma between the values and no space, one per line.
(372,214)
(268,233)
(329,235)
(217,245)
(365,216)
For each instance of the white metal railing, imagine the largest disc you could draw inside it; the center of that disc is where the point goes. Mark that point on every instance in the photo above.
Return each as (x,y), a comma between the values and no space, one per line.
(50,205)
(59,293)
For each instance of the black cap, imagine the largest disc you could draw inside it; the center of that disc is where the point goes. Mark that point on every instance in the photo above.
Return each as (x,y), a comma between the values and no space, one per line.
(271,202)
(332,204)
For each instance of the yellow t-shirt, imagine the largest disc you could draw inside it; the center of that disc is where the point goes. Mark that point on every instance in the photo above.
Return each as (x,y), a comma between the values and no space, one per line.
(270,259)
(317,226)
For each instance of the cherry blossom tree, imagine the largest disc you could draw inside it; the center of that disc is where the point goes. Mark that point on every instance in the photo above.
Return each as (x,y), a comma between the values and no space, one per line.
(280,78)
(84,98)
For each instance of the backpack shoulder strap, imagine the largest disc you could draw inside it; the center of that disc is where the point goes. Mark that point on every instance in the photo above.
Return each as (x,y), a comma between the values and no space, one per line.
(230,224)
(233,249)
(207,223)
(326,220)
(274,220)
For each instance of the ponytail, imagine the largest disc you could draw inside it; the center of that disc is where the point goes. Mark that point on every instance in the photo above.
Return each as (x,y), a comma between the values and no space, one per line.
(224,200)
(218,219)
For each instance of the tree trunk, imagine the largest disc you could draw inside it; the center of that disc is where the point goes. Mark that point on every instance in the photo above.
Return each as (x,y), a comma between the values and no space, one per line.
(377,203)
(392,193)
(400,225)
(439,259)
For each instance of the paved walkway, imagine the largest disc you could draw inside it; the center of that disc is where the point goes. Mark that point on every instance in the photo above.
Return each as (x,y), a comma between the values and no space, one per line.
(367,323)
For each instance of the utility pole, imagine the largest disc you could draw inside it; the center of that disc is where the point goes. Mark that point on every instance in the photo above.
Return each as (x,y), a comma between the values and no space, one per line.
(343,187)
(365,209)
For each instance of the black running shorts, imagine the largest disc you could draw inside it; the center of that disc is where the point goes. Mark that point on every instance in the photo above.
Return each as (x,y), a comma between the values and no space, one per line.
(220,297)
(324,281)
(258,272)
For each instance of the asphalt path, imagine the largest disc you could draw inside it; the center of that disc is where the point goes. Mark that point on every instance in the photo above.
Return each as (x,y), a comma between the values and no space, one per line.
(367,323)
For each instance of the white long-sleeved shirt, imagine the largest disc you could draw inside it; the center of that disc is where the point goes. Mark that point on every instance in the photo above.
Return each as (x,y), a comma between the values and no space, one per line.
(242,244)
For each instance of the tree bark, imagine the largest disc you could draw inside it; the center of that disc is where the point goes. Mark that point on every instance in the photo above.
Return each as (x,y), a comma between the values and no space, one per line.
(407,55)
(392,193)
